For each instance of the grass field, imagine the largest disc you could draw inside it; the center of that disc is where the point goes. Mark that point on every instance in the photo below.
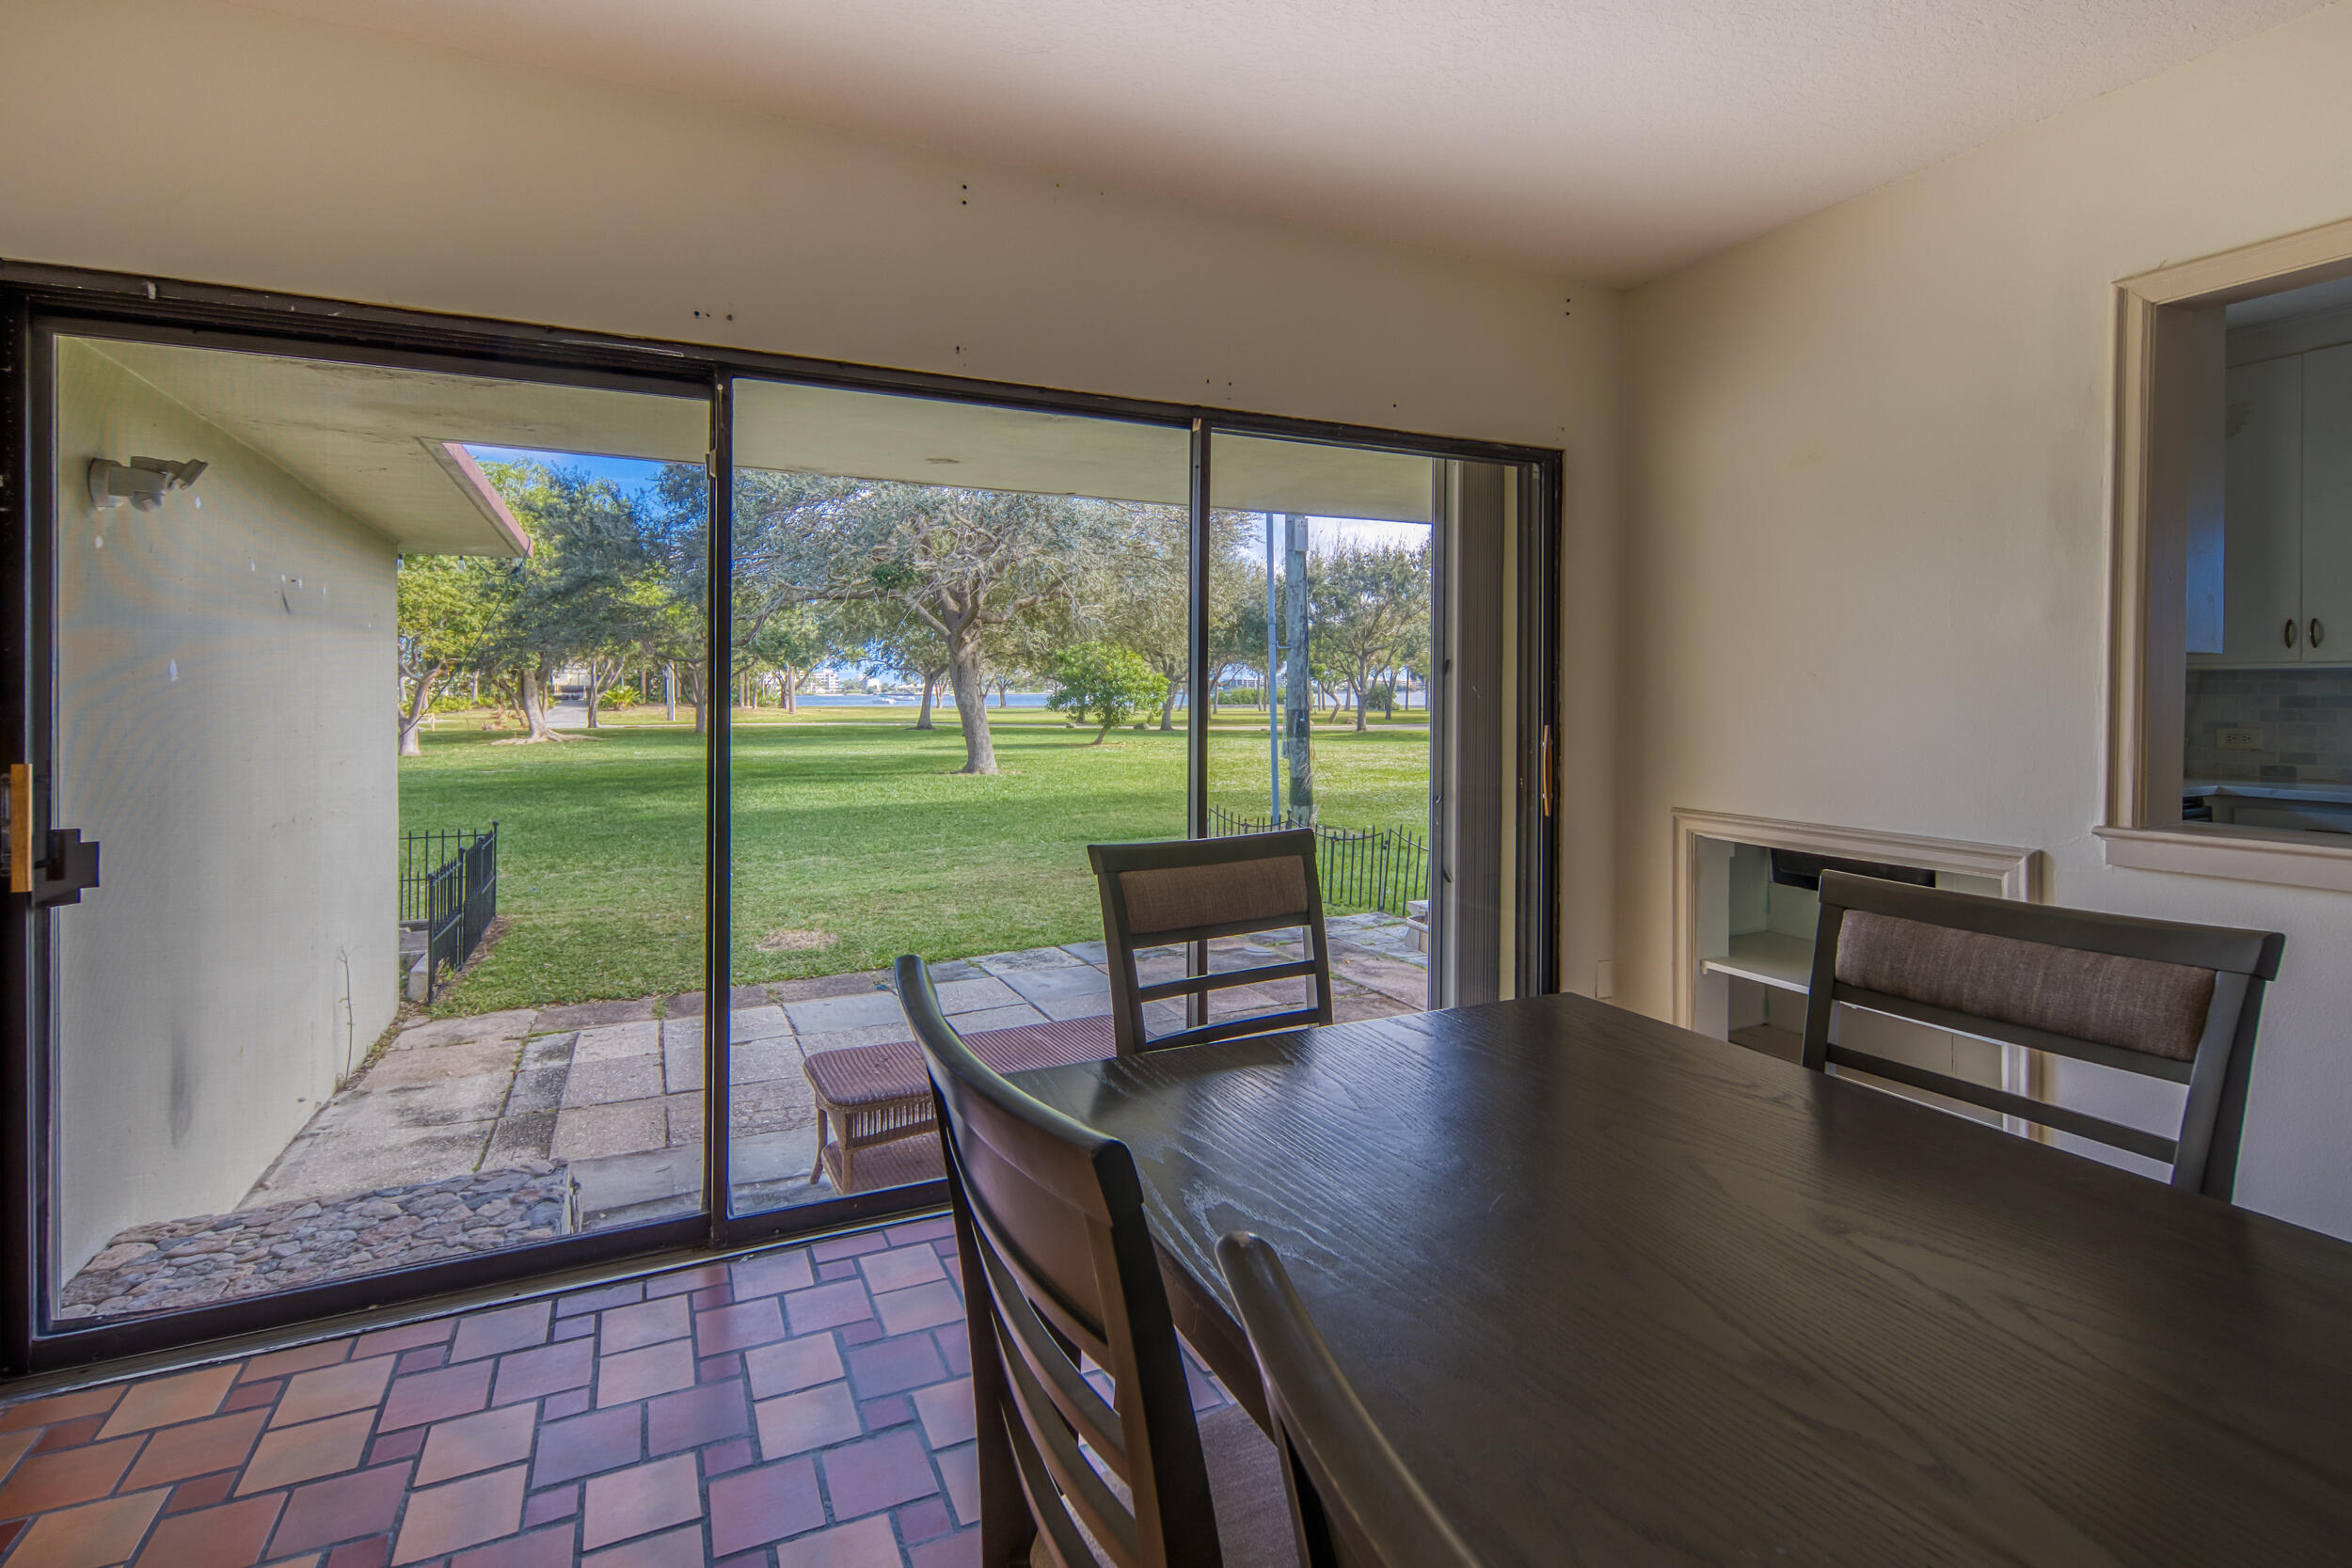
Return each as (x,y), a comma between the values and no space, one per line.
(853,831)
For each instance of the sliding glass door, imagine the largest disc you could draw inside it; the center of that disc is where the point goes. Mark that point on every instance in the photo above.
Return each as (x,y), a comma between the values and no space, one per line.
(394,957)
(462,808)
(961,641)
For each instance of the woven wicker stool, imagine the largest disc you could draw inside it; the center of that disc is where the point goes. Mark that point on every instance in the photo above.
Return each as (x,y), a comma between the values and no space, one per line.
(877,1097)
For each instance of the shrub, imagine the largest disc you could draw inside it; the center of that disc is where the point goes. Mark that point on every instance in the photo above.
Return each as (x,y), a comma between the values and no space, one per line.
(1104,683)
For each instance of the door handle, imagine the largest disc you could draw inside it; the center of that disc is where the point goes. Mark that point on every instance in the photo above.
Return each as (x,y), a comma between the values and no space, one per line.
(20,828)
(2319,632)
(68,870)
(2290,633)
(1542,770)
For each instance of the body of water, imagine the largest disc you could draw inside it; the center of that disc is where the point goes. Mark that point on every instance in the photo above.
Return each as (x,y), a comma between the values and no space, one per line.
(943,699)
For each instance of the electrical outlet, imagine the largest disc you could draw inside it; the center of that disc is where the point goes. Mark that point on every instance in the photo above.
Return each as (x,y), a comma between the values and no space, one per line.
(2241,741)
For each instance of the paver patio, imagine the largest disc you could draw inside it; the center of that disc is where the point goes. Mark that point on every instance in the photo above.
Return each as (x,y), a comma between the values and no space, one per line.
(611,1095)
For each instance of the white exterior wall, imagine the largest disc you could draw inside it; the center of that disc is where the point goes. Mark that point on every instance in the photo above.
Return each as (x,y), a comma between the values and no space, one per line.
(274,152)
(1866,568)
(225,733)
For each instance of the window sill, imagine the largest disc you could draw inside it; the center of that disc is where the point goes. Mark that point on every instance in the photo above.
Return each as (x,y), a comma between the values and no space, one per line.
(2242,854)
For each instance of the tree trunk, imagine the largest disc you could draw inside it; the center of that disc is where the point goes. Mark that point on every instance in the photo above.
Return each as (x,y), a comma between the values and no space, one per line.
(596,692)
(1361,683)
(930,683)
(791,697)
(411,745)
(669,693)
(530,696)
(968,679)
(701,669)
(1168,708)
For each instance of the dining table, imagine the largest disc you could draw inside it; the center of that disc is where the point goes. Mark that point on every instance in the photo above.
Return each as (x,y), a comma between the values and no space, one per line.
(1617,1293)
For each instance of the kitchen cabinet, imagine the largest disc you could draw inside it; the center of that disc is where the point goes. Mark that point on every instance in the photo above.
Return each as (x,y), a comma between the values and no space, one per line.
(2261,515)
(2287,512)
(2327,504)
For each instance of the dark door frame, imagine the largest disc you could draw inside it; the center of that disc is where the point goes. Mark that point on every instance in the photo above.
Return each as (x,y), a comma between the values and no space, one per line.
(36,300)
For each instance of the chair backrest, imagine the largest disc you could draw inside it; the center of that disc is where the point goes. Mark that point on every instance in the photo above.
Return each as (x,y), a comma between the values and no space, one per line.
(1353,1502)
(2146,996)
(1197,889)
(1057,1263)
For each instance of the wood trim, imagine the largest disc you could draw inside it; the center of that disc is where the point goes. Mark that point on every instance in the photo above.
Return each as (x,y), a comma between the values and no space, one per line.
(2265,267)
(2241,854)
(2019,870)
(2148,498)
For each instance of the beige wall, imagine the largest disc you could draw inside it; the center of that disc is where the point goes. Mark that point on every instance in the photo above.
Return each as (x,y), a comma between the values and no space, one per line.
(1867,532)
(223,732)
(257,149)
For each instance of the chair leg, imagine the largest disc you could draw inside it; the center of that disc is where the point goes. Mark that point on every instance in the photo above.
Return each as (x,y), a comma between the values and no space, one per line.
(818,1169)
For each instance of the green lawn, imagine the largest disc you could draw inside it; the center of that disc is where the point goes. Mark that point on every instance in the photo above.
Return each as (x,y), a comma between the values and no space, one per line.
(847,823)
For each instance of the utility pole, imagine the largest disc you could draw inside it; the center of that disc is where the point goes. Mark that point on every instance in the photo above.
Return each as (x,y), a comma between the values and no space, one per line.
(1272,723)
(1298,685)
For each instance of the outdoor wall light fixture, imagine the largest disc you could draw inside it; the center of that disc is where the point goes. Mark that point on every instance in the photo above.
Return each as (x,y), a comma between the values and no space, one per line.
(143,481)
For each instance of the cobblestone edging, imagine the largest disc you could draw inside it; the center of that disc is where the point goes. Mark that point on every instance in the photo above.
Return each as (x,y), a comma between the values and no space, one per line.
(153,1268)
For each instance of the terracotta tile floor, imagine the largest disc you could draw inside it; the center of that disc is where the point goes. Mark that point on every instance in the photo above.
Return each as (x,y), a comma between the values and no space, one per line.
(806,1405)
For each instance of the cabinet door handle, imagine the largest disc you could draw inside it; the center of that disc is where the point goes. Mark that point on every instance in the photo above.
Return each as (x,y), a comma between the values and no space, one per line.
(2290,634)
(2319,633)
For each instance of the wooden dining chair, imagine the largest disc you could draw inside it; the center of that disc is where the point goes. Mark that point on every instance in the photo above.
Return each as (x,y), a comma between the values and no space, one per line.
(1189,890)
(1058,1264)
(1353,1502)
(2151,997)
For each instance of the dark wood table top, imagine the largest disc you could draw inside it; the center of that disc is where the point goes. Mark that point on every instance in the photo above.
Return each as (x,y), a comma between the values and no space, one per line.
(1621,1293)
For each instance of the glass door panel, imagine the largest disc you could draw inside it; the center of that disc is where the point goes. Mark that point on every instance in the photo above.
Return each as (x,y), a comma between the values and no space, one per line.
(960,641)
(355,995)
(1342,578)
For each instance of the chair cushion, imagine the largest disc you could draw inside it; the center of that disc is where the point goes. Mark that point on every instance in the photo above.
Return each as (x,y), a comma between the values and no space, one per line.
(861,1075)
(1183,897)
(2132,1004)
(868,1074)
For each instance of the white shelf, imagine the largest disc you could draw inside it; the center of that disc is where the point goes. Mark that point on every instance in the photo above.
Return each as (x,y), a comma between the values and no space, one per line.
(1768,957)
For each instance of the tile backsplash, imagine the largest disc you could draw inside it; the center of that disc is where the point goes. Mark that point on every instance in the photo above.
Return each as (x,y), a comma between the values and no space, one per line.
(2304,713)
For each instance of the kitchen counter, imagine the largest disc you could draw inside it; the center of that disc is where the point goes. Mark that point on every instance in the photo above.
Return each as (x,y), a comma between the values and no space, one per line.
(2250,789)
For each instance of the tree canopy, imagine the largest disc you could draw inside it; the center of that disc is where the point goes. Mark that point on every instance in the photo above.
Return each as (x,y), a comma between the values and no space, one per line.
(970,586)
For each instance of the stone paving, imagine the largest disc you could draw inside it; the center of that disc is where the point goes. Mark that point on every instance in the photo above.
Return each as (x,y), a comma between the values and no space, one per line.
(607,1096)
(156,1268)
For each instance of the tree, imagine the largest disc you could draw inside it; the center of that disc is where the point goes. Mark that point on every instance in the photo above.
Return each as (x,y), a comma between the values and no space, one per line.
(445,606)
(1368,601)
(958,561)
(1138,591)
(1104,683)
(792,641)
(612,574)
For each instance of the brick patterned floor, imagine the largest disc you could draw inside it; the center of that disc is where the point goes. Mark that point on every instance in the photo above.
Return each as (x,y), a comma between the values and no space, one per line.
(806,1408)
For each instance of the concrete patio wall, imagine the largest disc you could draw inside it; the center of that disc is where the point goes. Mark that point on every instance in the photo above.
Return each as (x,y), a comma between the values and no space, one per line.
(226,733)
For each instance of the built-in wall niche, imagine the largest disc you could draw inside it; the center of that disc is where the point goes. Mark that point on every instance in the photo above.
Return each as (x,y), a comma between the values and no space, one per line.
(1747,903)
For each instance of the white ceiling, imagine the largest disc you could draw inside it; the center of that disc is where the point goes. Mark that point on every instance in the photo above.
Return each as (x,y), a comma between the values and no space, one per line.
(385,444)
(1613,140)
(931,441)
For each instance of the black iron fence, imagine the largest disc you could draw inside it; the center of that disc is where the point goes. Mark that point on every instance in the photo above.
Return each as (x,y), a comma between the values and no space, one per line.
(1360,872)
(449,882)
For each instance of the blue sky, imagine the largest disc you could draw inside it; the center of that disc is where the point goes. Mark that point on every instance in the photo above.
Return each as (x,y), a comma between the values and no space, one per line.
(630,473)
